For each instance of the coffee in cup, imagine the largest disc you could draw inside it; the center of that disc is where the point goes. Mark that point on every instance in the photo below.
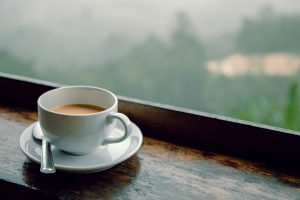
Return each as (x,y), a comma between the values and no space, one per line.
(78,109)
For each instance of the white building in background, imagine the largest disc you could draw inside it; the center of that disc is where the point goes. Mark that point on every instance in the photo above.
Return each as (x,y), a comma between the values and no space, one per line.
(275,64)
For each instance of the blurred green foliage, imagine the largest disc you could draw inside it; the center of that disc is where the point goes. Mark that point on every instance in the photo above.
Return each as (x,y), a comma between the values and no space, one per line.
(269,32)
(173,72)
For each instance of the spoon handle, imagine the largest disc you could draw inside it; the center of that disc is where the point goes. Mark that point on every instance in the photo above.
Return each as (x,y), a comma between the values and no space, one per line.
(47,164)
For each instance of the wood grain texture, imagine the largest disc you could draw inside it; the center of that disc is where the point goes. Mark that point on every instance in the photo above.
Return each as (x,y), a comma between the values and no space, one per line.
(160,170)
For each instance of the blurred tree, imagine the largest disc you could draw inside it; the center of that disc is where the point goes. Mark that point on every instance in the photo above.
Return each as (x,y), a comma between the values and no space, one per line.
(186,64)
(269,32)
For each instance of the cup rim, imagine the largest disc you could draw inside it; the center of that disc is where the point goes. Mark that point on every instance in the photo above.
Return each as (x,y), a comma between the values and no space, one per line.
(78,86)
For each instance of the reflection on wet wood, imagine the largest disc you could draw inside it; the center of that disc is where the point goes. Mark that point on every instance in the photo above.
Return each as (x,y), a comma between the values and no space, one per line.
(160,170)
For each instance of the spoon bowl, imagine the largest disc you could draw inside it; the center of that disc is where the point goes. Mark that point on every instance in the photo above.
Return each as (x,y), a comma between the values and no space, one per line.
(37,132)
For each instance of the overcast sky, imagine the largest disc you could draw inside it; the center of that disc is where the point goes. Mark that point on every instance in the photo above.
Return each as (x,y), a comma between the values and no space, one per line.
(71,32)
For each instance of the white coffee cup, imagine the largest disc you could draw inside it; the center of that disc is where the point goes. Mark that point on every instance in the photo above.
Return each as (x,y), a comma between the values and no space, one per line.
(80,133)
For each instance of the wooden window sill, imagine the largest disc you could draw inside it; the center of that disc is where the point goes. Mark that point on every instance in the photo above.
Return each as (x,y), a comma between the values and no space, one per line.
(185,155)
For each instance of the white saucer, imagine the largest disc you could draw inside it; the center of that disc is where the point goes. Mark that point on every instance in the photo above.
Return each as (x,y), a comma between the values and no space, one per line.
(99,160)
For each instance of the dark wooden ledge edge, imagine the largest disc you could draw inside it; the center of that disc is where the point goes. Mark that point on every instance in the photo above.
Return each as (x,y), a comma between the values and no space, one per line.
(11,190)
(182,126)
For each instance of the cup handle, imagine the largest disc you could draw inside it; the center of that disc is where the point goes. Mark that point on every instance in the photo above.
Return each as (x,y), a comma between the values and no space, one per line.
(127,128)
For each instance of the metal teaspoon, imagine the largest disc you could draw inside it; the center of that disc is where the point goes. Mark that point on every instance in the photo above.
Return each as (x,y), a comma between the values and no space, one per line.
(47,164)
